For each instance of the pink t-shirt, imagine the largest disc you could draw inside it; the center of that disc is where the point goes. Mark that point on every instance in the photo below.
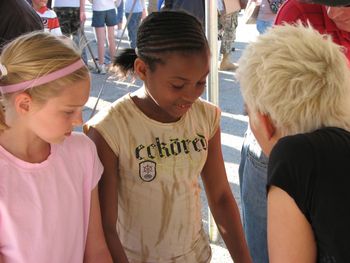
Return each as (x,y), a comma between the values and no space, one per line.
(44,207)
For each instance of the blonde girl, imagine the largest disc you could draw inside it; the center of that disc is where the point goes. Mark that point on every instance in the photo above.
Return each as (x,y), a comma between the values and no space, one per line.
(49,208)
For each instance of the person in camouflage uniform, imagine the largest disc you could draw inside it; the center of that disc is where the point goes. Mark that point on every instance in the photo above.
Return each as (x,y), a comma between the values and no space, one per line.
(227,34)
(69,20)
(152,6)
(72,17)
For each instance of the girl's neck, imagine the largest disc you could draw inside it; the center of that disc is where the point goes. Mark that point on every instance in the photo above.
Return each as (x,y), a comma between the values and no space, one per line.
(146,104)
(24,145)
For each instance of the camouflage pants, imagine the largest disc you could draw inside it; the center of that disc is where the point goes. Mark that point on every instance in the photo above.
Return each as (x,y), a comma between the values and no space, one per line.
(152,6)
(69,18)
(227,31)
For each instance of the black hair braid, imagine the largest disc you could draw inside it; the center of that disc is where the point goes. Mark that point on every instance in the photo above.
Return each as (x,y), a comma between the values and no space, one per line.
(164,32)
(125,60)
(170,31)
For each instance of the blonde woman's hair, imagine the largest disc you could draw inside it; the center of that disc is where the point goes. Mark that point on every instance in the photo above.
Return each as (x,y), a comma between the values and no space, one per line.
(298,77)
(33,55)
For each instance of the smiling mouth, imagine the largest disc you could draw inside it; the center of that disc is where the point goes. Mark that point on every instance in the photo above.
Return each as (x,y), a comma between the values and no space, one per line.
(184,106)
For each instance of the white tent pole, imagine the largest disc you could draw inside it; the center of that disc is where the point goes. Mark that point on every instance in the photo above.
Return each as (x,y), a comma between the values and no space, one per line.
(211,19)
(211,25)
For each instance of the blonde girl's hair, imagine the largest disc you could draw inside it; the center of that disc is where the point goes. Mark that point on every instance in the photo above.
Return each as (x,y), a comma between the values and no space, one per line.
(298,77)
(34,55)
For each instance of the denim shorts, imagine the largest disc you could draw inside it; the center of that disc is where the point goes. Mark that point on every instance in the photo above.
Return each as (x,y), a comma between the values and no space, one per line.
(102,18)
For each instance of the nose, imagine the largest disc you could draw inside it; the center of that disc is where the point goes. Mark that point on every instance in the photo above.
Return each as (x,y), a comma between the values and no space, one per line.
(192,93)
(78,118)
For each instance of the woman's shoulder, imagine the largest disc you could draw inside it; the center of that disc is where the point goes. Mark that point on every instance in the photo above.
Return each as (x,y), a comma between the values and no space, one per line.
(78,143)
(293,10)
(111,113)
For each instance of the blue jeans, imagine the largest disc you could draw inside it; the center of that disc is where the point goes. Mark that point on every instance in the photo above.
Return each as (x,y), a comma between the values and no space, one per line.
(120,11)
(77,38)
(262,25)
(253,177)
(133,26)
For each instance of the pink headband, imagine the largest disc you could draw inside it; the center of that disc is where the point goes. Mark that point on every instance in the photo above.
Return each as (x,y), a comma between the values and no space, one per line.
(43,79)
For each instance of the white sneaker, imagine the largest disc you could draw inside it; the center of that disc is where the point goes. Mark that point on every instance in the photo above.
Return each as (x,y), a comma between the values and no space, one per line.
(103,69)
(119,33)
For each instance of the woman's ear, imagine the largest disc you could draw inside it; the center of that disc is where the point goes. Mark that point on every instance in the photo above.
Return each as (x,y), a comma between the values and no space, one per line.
(23,103)
(140,68)
(267,126)
(264,130)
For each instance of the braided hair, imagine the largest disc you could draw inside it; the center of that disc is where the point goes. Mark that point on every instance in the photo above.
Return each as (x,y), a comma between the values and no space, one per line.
(162,33)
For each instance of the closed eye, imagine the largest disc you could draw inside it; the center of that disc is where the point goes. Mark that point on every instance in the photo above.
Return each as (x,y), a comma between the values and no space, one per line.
(178,86)
(71,111)
(202,84)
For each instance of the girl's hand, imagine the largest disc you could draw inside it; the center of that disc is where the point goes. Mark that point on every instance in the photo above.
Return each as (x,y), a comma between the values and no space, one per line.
(82,17)
(222,203)
(96,249)
(109,195)
(144,13)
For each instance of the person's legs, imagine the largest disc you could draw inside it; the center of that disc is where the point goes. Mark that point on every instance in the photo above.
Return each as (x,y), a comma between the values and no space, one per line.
(69,19)
(253,179)
(111,21)
(111,41)
(152,6)
(120,13)
(229,24)
(64,15)
(101,38)
(78,40)
(98,22)
(77,31)
(133,26)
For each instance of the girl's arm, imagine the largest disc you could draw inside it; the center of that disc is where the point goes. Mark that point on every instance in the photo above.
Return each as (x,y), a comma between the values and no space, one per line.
(222,203)
(290,236)
(96,250)
(144,9)
(82,12)
(109,196)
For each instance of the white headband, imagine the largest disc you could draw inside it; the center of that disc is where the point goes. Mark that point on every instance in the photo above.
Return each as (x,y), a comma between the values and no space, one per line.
(3,70)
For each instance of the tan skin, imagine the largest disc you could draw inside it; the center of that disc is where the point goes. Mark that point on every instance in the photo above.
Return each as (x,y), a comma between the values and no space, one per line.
(290,236)
(185,87)
(34,126)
